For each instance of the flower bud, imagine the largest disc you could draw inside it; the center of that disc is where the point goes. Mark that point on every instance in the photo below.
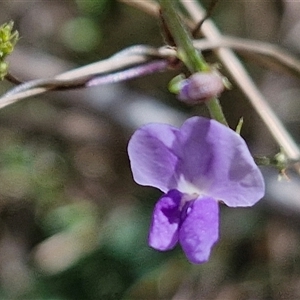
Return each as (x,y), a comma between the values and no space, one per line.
(200,87)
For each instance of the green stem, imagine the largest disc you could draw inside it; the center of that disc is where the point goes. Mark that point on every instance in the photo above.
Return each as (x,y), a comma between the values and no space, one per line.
(192,58)
(215,110)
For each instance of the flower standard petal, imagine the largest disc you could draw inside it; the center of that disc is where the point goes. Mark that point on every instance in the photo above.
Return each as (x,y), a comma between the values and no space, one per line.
(151,156)
(163,233)
(199,230)
(216,160)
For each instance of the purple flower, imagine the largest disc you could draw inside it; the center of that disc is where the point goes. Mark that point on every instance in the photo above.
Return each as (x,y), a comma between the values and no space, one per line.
(196,166)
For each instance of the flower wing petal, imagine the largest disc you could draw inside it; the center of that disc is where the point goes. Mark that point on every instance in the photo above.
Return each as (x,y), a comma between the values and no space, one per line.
(163,233)
(151,157)
(217,161)
(199,230)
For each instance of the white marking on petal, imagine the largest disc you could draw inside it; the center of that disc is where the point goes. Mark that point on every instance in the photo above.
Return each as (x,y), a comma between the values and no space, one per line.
(187,187)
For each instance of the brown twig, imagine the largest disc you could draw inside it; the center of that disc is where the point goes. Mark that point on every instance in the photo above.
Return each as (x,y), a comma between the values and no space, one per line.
(149,7)
(249,47)
(208,14)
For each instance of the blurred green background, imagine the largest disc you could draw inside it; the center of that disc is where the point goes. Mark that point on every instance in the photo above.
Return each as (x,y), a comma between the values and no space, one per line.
(73,224)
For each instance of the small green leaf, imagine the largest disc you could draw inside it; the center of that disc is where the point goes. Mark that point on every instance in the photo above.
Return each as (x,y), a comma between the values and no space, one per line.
(176,83)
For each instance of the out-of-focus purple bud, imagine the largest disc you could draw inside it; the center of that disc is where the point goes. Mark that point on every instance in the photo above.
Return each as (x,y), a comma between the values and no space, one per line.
(200,87)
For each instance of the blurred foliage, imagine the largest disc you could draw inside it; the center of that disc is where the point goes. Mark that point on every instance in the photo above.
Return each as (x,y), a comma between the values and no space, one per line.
(73,225)
(81,35)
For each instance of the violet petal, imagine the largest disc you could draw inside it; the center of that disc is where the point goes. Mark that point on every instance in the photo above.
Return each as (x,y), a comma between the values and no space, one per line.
(217,161)
(151,156)
(163,233)
(199,230)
